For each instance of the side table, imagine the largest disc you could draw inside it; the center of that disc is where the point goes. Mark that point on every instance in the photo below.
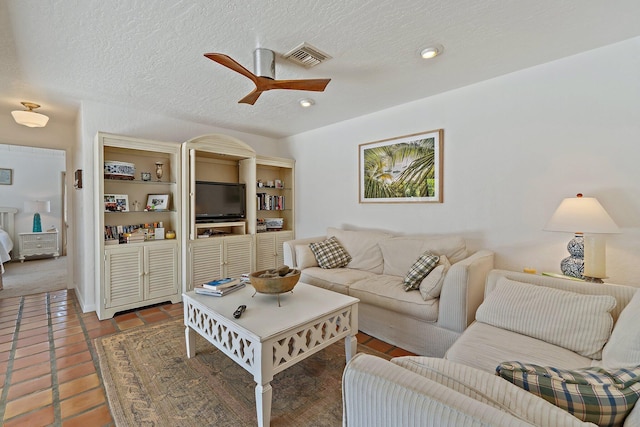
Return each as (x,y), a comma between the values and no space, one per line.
(43,243)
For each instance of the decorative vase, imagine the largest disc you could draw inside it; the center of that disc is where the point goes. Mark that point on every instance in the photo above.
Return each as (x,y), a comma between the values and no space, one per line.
(574,265)
(159,170)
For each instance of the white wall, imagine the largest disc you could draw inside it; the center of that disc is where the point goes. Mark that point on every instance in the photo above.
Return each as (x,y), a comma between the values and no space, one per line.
(514,147)
(37,175)
(97,117)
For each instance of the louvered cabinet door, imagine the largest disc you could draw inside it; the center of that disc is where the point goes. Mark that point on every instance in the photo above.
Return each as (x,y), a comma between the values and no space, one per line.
(161,270)
(206,261)
(265,252)
(270,249)
(124,276)
(237,255)
(281,237)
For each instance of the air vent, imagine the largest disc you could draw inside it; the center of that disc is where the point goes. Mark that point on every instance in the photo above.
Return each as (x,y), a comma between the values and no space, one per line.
(306,55)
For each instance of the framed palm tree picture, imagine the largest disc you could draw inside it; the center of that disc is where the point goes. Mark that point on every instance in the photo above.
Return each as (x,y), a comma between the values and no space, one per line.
(406,169)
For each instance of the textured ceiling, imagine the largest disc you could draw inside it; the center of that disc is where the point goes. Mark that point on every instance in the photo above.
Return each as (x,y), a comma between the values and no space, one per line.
(149,54)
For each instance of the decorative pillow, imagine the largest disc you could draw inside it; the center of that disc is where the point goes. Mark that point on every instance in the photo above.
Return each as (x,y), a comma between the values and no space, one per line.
(330,254)
(591,394)
(419,270)
(431,285)
(578,322)
(623,348)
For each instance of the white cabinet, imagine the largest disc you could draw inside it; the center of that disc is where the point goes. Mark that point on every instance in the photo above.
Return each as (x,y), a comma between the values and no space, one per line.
(42,243)
(131,275)
(218,257)
(269,249)
(139,274)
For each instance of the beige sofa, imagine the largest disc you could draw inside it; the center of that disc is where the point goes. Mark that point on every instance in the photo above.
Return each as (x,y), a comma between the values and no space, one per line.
(528,318)
(423,323)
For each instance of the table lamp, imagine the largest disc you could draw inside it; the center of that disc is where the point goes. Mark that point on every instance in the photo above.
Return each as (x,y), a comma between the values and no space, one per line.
(35,207)
(582,215)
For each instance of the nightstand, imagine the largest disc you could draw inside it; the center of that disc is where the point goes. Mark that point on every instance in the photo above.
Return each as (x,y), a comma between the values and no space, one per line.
(44,243)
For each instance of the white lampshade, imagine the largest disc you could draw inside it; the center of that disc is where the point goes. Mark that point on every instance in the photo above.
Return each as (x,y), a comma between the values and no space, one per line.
(581,215)
(37,206)
(29,117)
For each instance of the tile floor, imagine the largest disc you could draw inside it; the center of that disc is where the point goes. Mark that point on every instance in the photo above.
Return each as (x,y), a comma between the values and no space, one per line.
(48,366)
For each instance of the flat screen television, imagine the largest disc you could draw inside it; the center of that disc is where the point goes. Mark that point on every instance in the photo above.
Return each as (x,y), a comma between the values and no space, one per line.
(220,201)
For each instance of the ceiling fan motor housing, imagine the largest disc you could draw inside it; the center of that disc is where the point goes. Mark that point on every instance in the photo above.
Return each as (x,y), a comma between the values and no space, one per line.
(264,63)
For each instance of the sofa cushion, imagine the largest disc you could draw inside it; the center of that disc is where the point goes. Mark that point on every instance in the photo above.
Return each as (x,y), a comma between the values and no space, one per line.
(400,252)
(363,247)
(431,285)
(305,257)
(330,254)
(337,279)
(419,270)
(386,291)
(623,348)
(591,394)
(484,346)
(581,323)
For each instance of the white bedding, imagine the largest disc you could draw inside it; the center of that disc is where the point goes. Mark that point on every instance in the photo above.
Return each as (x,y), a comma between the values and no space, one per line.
(6,244)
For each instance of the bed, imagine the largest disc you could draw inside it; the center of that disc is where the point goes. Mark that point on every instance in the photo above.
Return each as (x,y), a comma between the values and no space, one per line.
(6,234)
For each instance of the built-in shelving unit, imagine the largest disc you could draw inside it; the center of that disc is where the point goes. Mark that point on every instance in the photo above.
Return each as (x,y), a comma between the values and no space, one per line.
(224,249)
(137,263)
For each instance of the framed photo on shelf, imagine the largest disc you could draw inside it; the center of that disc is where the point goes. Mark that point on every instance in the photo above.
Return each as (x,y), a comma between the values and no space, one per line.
(116,203)
(6,176)
(157,202)
(406,169)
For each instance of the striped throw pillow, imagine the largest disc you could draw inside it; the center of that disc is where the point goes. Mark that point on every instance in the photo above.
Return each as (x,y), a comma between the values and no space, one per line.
(330,254)
(590,394)
(419,270)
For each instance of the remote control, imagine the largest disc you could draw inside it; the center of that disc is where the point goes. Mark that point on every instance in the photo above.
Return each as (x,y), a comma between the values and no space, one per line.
(239,311)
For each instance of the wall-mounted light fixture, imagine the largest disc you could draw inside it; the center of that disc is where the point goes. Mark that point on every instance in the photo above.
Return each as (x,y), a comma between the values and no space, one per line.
(29,117)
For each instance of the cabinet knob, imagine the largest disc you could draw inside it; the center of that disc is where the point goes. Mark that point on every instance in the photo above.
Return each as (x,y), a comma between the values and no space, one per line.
(38,237)
(39,246)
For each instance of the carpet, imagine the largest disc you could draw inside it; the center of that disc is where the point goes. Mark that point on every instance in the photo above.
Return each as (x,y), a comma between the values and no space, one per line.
(34,276)
(150,382)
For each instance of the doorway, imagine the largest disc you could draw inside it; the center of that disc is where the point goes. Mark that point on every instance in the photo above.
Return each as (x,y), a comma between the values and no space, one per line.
(38,174)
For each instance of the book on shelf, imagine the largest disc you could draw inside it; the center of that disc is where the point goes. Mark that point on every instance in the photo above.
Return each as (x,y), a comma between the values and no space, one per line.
(200,289)
(216,285)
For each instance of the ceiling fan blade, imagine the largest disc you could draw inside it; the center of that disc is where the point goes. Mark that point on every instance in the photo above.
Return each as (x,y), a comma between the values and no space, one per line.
(231,64)
(251,98)
(314,85)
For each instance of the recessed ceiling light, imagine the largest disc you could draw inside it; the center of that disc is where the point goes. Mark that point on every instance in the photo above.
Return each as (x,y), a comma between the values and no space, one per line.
(431,52)
(306,102)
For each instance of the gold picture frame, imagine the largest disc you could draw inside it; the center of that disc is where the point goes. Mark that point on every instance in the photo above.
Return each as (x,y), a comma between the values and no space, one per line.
(405,169)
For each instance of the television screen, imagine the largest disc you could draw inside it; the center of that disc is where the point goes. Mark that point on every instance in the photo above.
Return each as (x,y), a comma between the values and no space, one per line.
(219,201)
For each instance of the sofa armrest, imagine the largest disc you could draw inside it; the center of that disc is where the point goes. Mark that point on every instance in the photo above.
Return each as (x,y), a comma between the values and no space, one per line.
(463,291)
(376,392)
(289,248)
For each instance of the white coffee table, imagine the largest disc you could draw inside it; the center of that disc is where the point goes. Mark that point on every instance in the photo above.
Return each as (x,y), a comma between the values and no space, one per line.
(268,339)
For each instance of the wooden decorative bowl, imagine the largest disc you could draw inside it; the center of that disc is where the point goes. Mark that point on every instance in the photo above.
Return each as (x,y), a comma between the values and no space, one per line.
(274,285)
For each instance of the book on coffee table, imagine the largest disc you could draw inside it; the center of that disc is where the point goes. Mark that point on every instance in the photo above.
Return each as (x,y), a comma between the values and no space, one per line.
(219,293)
(217,285)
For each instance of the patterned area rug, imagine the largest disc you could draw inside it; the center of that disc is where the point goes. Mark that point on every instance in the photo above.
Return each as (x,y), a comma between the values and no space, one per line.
(149,381)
